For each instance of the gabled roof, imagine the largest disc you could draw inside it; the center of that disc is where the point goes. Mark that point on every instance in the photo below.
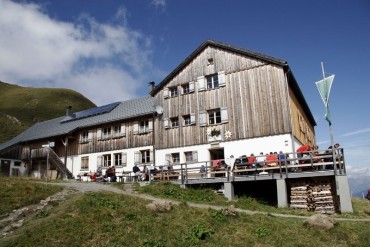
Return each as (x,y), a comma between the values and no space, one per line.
(57,127)
(291,79)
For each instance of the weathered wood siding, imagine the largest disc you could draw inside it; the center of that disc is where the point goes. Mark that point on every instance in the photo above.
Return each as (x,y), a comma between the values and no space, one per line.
(302,129)
(129,140)
(255,94)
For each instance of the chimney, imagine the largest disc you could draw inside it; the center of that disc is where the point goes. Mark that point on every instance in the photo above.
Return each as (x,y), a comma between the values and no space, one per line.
(69,112)
(151,86)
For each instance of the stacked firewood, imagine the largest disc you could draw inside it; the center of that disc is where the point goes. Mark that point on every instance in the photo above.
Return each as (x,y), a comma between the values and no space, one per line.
(322,199)
(299,196)
(314,196)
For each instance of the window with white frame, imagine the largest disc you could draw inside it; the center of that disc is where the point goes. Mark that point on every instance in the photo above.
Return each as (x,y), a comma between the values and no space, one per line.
(173,91)
(107,160)
(214,116)
(144,126)
(185,88)
(145,156)
(106,133)
(117,131)
(175,157)
(212,81)
(174,122)
(85,163)
(187,120)
(85,136)
(118,159)
(191,156)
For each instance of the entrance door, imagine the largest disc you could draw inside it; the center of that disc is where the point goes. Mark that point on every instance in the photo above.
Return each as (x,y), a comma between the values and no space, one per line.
(217,154)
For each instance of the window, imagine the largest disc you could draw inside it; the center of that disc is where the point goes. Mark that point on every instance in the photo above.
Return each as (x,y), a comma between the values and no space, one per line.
(144,126)
(187,120)
(175,157)
(117,130)
(191,156)
(185,88)
(107,160)
(106,133)
(17,163)
(175,122)
(145,156)
(85,136)
(85,163)
(118,159)
(173,91)
(214,116)
(212,81)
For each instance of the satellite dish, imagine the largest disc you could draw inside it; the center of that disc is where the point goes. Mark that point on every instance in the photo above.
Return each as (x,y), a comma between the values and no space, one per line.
(159,109)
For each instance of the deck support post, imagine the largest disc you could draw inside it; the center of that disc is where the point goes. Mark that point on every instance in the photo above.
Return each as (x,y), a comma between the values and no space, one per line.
(282,195)
(229,190)
(345,203)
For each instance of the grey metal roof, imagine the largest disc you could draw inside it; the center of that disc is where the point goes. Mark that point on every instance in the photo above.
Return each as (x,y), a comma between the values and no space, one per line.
(55,127)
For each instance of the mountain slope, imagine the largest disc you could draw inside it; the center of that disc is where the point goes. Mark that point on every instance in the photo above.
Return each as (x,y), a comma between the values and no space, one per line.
(21,107)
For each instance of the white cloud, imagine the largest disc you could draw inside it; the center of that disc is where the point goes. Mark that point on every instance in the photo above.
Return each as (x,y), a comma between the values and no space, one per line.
(159,3)
(104,61)
(356,132)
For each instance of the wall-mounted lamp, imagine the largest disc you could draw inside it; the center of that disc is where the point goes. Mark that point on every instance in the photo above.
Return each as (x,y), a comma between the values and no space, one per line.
(286,142)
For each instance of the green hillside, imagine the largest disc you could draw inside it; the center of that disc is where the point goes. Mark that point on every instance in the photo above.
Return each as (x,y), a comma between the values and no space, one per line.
(21,107)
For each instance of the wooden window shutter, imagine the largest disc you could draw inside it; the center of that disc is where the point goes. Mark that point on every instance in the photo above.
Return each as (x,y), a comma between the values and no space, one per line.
(165,93)
(137,157)
(201,83)
(136,128)
(221,78)
(89,136)
(195,156)
(191,86)
(150,125)
(151,155)
(124,159)
(224,116)
(168,157)
(192,118)
(98,134)
(166,123)
(123,130)
(203,118)
(99,161)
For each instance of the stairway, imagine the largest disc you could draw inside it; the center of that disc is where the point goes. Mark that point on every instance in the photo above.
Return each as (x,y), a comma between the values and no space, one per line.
(54,158)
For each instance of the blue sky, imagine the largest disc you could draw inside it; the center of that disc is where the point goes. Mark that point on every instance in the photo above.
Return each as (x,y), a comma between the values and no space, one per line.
(109,50)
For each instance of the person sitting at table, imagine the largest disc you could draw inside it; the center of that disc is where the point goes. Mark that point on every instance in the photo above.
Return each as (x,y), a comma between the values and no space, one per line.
(111,174)
(271,160)
(251,161)
(260,160)
(145,174)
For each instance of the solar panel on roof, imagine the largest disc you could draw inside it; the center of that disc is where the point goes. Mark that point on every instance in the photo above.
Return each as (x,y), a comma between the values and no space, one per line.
(93,112)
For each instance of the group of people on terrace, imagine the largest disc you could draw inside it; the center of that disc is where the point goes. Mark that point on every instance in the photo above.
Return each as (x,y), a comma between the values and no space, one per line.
(305,154)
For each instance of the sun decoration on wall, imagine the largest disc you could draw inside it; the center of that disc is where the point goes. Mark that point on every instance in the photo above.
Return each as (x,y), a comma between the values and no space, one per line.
(228,134)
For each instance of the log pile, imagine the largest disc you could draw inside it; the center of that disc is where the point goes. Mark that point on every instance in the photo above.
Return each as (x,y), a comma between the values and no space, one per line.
(313,196)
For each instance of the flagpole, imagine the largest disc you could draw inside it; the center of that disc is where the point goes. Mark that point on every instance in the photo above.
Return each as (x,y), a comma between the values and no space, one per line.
(330,125)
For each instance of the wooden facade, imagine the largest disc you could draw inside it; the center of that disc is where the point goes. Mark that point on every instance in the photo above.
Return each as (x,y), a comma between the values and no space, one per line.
(254,95)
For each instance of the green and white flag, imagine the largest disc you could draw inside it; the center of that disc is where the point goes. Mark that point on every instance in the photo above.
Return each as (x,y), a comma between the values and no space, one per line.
(324,87)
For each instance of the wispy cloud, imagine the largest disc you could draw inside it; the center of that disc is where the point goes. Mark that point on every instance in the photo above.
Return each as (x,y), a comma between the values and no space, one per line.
(357,132)
(104,61)
(159,3)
